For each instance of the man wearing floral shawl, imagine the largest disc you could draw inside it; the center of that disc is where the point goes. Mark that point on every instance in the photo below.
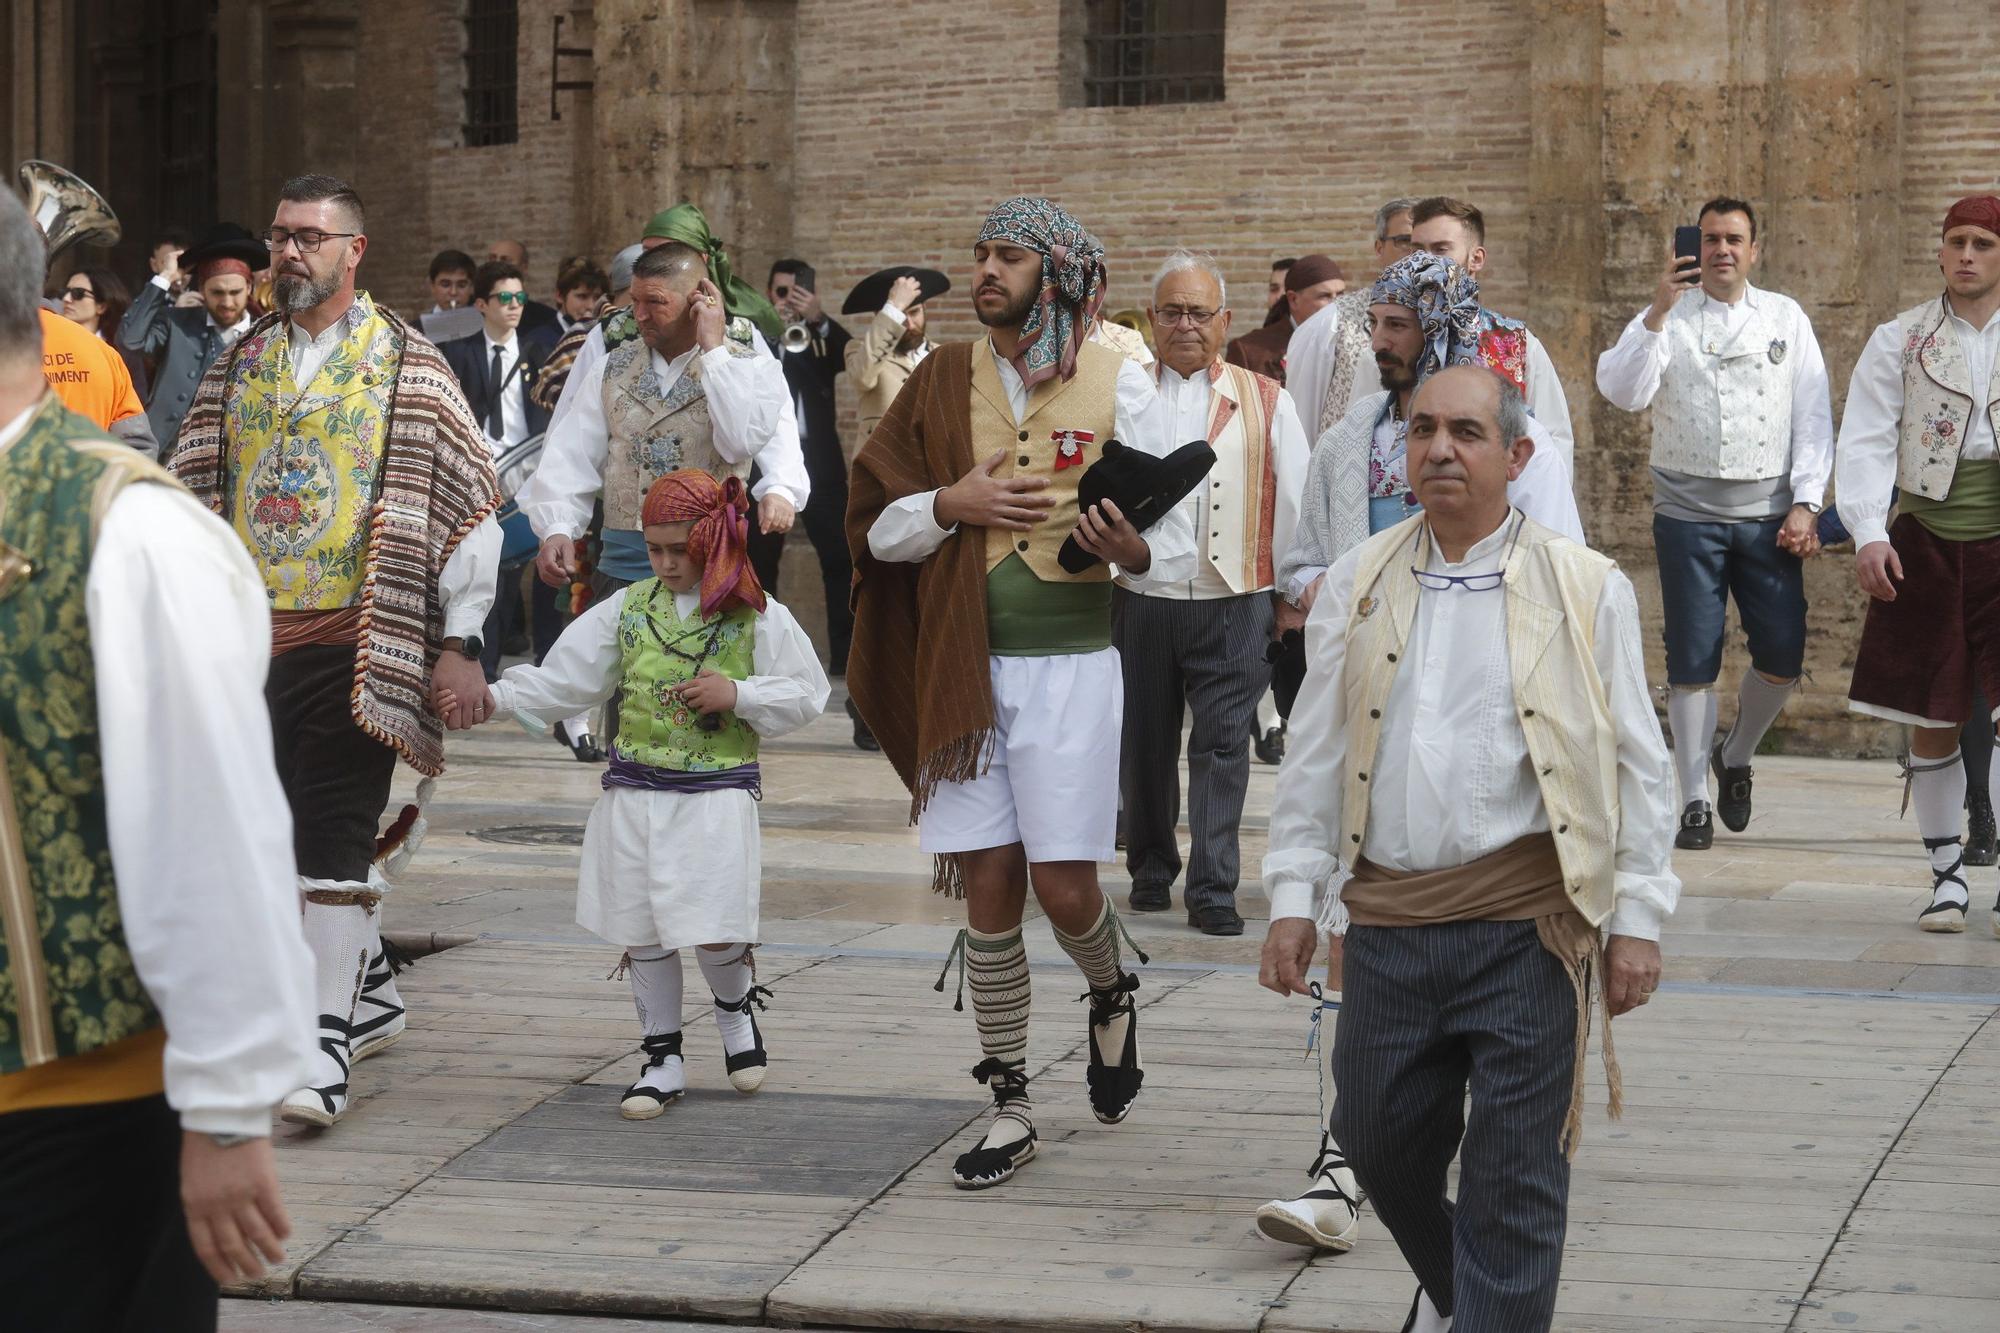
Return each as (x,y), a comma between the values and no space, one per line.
(1423,315)
(984,668)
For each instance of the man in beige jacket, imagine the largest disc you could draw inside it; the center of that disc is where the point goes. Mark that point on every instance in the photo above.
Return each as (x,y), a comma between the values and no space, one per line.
(882,358)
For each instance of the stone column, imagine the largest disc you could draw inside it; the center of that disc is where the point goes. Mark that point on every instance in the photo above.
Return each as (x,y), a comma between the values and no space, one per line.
(638,120)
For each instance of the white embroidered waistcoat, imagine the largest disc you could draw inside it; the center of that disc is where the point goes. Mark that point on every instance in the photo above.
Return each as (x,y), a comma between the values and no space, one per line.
(1724,408)
(1236,521)
(653,433)
(1552,590)
(1937,400)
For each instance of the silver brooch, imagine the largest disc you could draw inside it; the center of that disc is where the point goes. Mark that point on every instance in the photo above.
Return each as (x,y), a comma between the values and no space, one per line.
(1777,352)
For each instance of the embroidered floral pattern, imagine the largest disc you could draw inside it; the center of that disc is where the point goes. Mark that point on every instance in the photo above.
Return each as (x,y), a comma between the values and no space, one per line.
(660,649)
(306,460)
(1503,347)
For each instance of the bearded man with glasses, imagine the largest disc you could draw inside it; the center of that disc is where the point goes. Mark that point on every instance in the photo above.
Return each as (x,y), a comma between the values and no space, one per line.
(334,439)
(1198,644)
(1477,794)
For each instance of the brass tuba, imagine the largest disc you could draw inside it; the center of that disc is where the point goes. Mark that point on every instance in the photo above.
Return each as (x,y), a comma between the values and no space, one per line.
(65,209)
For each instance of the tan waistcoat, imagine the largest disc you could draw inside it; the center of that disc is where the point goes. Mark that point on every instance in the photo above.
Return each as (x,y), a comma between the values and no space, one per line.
(1552,590)
(652,433)
(1937,400)
(1086,404)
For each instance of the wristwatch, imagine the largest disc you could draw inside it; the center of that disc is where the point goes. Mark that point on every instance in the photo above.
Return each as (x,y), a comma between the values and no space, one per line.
(232,1140)
(470,647)
(1811,508)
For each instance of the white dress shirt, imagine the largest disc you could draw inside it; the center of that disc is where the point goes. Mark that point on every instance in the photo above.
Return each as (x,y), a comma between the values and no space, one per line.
(1452,777)
(907,529)
(1871,430)
(1186,403)
(513,393)
(201,836)
(1630,371)
(749,409)
(787,687)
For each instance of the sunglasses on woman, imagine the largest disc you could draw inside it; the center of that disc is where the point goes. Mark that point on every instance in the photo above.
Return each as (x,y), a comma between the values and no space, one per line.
(79,293)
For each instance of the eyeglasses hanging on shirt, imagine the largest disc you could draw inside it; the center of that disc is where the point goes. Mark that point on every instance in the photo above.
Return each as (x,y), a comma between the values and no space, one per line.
(1465,582)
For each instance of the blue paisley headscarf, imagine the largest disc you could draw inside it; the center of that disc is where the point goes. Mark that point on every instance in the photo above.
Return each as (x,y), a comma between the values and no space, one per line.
(1072,283)
(1446,299)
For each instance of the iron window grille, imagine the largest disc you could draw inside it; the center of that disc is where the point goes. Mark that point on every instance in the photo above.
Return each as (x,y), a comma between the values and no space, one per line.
(1152,52)
(492,34)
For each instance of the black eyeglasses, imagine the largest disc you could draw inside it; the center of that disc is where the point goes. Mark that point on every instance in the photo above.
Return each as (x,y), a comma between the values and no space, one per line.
(79,293)
(308,239)
(1467,582)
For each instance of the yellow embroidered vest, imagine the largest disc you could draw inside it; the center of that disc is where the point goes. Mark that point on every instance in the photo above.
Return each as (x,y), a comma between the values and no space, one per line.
(304,464)
(1086,404)
(1552,591)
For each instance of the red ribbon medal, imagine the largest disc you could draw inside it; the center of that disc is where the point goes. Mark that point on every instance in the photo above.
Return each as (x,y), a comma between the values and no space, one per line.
(1069,446)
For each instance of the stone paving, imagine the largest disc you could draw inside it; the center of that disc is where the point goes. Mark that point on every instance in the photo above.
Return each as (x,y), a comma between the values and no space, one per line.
(1801,1148)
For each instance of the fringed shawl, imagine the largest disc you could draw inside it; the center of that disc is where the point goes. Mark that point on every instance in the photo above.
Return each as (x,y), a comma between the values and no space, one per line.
(437,486)
(917,668)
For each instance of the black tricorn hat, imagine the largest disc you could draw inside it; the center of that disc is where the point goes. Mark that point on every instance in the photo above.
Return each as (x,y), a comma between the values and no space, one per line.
(872,292)
(1143,487)
(227,240)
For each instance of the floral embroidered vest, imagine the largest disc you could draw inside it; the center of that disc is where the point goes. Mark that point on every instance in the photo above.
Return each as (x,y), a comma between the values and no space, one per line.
(303,464)
(659,648)
(654,433)
(1503,346)
(1724,408)
(1937,400)
(67,984)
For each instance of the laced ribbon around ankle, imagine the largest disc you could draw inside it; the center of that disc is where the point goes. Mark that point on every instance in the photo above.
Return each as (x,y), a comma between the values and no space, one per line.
(1909,768)
(1108,1003)
(1952,873)
(757,995)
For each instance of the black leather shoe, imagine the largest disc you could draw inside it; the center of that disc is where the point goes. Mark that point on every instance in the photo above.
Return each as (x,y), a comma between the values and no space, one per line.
(1216,920)
(1732,792)
(583,745)
(1697,832)
(1270,746)
(1150,898)
(864,739)
(1982,842)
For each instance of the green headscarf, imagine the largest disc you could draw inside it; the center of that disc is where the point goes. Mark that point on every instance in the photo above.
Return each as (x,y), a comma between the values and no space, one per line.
(684,223)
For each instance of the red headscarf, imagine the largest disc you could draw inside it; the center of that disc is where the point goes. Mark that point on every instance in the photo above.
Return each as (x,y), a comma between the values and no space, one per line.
(215,268)
(719,541)
(1979,210)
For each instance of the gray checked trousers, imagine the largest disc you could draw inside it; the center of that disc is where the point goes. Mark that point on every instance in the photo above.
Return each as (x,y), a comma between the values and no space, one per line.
(1428,1012)
(1179,655)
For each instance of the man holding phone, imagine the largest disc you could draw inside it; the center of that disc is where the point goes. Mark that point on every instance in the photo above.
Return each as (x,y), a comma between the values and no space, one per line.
(1742,451)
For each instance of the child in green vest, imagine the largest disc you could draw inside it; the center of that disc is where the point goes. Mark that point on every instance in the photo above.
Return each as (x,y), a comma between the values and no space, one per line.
(704,665)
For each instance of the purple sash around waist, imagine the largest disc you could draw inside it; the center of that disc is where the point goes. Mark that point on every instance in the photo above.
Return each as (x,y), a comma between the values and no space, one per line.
(625,772)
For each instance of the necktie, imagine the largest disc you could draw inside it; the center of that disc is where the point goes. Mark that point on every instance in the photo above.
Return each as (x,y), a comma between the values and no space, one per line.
(495,420)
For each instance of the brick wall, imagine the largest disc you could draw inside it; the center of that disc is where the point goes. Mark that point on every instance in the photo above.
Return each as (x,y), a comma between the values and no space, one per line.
(426,191)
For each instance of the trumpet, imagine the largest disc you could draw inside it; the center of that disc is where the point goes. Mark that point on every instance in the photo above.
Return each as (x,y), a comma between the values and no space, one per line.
(797,337)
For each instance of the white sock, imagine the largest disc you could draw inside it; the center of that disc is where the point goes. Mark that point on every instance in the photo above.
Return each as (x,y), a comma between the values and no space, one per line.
(577,726)
(1937,793)
(655,974)
(1758,704)
(656,988)
(1691,719)
(727,972)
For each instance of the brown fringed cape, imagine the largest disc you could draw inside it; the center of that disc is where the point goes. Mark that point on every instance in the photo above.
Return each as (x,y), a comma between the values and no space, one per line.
(917,668)
(437,486)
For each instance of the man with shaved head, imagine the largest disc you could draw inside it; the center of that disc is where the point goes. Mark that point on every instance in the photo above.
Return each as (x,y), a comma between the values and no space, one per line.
(1476,792)
(680,395)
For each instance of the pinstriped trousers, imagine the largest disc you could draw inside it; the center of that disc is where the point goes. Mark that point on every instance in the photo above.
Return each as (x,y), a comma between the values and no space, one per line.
(1427,1014)
(1180,655)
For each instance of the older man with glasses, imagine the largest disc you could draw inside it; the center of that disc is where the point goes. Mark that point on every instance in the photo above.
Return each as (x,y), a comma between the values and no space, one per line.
(293,441)
(1478,795)
(1199,643)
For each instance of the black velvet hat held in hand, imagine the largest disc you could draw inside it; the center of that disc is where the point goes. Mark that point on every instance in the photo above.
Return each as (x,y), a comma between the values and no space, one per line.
(1143,487)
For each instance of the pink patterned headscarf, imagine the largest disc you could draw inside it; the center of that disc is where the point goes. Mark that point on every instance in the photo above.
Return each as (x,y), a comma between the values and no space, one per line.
(720,539)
